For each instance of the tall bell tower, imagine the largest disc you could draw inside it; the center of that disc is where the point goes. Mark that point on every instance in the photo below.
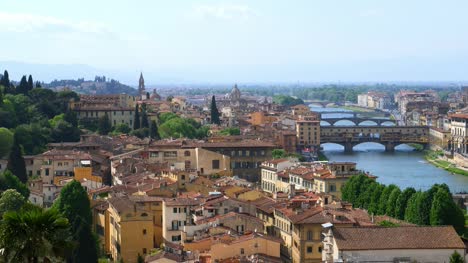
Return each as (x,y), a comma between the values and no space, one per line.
(141,86)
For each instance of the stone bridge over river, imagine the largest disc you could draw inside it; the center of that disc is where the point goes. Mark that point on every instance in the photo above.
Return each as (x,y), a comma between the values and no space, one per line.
(389,136)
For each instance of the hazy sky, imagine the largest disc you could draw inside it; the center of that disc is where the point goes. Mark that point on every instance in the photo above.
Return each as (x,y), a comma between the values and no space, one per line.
(244,41)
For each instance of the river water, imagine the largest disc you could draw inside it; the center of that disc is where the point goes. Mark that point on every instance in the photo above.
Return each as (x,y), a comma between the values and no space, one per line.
(404,167)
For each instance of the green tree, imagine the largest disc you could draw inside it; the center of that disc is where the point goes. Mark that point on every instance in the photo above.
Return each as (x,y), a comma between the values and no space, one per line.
(140,133)
(122,128)
(11,200)
(287,100)
(392,202)
(9,181)
(177,128)
(104,126)
(354,187)
(154,133)
(230,131)
(144,117)
(214,112)
(70,117)
(30,85)
(140,259)
(402,202)
(278,153)
(65,132)
(74,204)
(444,211)
(375,199)
(5,81)
(16,162)
(415,211)
(456,258)
(202,132)
(136,118)
(384,198)
(34,235)
(364,199)
(34,137)
(23,86)
(6,141)
(164,117)
(1,95)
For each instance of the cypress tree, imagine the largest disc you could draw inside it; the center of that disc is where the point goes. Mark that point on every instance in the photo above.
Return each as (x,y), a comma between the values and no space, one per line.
(214,112)
(136,120)
(1,95)
(16,162)
(104,125)
(5,80)
(30,83)
(23,86)
(147,95)
(144,117)
(73,203)
(154,133)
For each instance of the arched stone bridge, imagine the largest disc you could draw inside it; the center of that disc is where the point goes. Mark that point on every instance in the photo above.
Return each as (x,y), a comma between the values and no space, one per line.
(389,136)
(322,103)
(358,120)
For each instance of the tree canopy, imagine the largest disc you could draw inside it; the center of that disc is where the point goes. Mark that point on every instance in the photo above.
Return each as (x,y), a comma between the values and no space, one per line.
(287,100)
(74,204)
(6,141)
(16,162)
(432,207)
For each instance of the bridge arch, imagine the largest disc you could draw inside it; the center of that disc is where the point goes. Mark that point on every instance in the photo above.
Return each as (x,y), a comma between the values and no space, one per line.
(344,122)
(361,122)
(387,123)
(324,122)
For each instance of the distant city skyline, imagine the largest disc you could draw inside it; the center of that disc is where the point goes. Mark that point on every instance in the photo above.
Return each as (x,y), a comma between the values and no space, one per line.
(236,41)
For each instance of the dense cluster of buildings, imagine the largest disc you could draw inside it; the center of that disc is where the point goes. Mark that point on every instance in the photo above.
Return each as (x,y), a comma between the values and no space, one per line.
(375,100)
(225,198)
(447,120)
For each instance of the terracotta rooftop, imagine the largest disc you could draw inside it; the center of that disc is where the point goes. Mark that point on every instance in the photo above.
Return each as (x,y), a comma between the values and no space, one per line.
(229,215)
(276,161)
(179,201)
(459,115)
(408,237)
(244,144)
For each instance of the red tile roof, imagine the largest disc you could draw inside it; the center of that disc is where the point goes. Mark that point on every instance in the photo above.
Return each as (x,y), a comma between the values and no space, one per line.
(407,237)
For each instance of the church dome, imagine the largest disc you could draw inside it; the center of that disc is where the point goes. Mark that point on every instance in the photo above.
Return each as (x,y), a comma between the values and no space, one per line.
(235,93)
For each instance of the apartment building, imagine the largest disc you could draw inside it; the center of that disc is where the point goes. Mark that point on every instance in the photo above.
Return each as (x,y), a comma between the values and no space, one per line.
(118,107)
(177,214)
(270,181)
(308,132)
(391,244)
(128,226)
(459,132)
